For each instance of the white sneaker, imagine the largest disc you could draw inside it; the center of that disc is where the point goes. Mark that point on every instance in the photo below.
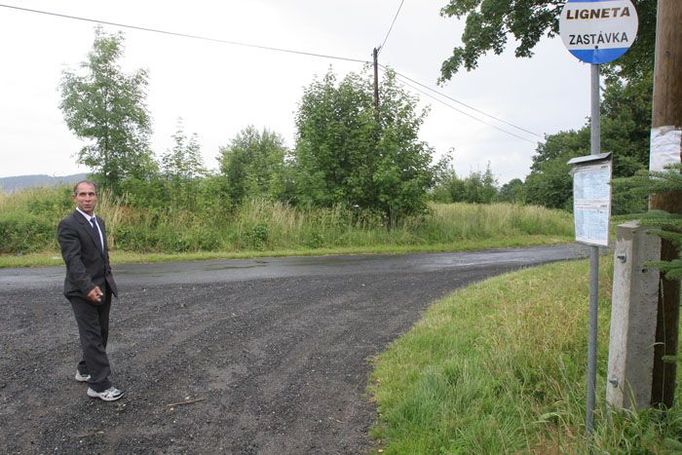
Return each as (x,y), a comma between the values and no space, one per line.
(111,394)
(82,377)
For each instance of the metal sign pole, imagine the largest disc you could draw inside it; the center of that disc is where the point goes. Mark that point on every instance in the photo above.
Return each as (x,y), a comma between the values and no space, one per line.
(588,29)
(594,268)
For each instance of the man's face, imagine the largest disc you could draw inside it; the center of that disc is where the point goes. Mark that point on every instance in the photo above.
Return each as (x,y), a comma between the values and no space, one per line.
(86,198)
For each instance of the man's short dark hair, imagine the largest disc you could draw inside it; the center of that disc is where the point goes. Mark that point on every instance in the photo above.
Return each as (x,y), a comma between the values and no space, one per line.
(89,182)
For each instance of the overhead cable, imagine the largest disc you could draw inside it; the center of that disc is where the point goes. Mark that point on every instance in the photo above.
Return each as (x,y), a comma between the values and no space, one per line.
(464,104)
(298,52)
(465,113)
(185,35)
(392,23)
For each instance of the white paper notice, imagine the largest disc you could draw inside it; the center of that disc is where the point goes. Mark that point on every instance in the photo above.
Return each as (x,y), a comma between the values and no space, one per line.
(666,147)
(592,203)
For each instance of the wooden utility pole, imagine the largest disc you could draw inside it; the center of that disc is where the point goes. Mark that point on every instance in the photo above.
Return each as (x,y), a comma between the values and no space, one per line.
(667,119)
(375,55)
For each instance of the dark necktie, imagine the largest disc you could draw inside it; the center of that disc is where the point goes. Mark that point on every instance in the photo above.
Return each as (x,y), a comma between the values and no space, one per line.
(95,232)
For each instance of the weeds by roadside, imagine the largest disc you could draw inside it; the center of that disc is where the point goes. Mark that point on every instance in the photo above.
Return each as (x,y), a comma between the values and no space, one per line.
(499,367)
(28,222)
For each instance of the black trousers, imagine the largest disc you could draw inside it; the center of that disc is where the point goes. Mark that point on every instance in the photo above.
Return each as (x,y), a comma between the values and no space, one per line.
(93,328)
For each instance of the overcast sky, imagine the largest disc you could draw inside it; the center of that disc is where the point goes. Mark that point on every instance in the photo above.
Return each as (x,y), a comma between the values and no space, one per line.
(219,89)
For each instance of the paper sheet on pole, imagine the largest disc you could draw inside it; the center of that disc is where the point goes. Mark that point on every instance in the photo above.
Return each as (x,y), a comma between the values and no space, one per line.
(666,147)
(592,203)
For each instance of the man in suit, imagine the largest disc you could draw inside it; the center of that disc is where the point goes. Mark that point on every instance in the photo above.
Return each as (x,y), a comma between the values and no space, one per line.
(89,285)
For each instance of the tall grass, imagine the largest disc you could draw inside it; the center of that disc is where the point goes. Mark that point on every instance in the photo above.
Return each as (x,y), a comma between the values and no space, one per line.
(451,222)
(499,367)
(260,225)
(27,219)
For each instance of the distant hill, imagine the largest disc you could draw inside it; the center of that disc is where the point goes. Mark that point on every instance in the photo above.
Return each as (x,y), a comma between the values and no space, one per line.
(10,184)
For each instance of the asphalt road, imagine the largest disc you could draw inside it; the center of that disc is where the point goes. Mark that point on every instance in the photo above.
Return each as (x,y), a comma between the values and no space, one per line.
(264,356)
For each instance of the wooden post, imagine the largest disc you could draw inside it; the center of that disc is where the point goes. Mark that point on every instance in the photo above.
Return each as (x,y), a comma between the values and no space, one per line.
(375,55)
(667,112)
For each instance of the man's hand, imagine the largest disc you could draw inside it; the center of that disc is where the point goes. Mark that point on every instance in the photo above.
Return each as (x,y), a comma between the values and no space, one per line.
(95,295)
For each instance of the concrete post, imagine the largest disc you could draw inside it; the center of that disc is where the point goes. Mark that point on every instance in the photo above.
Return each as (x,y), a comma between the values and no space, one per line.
(633,318)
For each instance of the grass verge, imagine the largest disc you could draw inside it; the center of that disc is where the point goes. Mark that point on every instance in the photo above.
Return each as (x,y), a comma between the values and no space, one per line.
(499,367)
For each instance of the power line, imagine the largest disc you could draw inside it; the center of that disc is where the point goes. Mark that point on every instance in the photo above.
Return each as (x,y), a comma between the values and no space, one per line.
(392,23)
(466,113)
(289,51)
(185,35)
(448,97)
(464,104)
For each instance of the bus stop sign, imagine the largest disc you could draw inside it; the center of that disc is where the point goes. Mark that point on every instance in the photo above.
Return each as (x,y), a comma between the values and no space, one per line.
(598,31)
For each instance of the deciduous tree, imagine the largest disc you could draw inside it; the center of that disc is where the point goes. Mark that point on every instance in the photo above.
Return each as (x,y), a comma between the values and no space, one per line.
(349,153)
(183,161)
(181,169)
(512,191)
(106,107)
(254,165)
(625,123)
(477,188)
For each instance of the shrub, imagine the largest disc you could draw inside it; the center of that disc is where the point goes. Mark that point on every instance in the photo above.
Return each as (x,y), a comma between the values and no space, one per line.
(257,236)
(25,233)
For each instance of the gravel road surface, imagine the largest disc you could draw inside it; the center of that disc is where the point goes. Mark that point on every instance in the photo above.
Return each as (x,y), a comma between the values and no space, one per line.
(264,356)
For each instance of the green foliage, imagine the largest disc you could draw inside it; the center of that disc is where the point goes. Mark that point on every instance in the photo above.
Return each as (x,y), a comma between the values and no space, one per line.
(480,187)
(257,236)
(448,187)
(626,123)
(490,23)
(486,366)
(160,234)
(626,108)
(25,233)
(493,368)
(254,166)
(552,185)
(448,223)
(477,188)
(562,146)
(625,126)
(335,152)
(149,192)
(183,184)
(107,107)
(349,153)
(655,182)
(49,203)
(183,162)
(512,191)
(665,225)
(403,172)
(29,220)
(211,195)
(181,170)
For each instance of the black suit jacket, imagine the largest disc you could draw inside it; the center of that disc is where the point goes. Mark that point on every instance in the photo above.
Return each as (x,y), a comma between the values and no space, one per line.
(86,265)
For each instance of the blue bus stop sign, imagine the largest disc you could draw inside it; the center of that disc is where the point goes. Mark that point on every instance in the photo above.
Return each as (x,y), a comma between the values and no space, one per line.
(598,31)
